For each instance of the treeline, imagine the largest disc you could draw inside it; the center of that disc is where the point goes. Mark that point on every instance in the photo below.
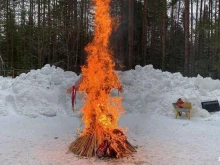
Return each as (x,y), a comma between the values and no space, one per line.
(173,35)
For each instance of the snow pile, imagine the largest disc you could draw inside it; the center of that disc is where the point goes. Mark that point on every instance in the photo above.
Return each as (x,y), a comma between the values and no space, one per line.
(146,90)
(39,92)
(151,90)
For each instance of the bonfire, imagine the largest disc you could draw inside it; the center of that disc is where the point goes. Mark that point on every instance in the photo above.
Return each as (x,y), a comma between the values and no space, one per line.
(101,136)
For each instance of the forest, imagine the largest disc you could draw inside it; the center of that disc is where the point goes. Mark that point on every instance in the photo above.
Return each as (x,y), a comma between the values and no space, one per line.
(172,35)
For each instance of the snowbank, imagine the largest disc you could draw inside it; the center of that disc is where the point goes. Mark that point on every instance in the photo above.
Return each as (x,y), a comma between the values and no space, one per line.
(146,90)
(39,92)
(151,90)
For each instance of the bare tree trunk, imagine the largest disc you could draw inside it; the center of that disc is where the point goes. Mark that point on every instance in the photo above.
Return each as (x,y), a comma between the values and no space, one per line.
(186,28)
(44,11)
(200,35)
(215,17)
(218,17)
(70,36)
(217,33)
(49,18)
(172,25)
(38,37)
(200,18)
(196,41)
(55,34)
(204,9)
(12,51)
(76,35)
(210,26)
(164,34)
(176,22)
(86,23)
(179,11)
(144,34)
(80,32)
(191,37)
(219,9)
(12,40)
(130,34)
(50,36)
(7,29)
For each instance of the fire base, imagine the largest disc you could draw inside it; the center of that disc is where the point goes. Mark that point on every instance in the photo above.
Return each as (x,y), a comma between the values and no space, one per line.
(109,145)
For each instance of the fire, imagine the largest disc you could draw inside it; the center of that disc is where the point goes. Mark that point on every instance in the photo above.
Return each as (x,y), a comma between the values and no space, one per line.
(99,78)
(101,111)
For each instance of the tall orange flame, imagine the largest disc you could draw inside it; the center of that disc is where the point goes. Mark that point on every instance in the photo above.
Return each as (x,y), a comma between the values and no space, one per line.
(101,136)
(101,111)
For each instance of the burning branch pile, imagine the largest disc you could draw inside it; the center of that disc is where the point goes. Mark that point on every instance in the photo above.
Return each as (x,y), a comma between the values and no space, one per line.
(101,135)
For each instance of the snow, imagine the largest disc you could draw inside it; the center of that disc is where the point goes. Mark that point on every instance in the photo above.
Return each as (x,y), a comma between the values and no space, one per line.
(38,124)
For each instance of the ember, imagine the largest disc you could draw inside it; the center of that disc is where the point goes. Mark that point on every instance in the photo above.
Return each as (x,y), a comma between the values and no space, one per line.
(101,136)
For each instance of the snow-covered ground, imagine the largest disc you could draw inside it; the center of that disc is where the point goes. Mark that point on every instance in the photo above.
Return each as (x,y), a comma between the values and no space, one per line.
(37,123)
